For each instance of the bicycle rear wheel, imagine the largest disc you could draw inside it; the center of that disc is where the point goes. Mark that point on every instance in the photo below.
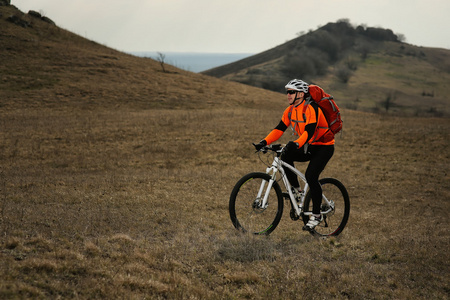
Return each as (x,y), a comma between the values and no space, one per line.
(335,220)
(246,211)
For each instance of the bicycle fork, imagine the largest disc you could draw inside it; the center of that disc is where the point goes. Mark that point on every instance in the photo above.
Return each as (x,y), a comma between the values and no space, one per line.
(267,186)
(265,189)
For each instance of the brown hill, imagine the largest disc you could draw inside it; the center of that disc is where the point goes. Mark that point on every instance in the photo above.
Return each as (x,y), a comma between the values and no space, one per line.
(44,65)
(115,178)
(365,68)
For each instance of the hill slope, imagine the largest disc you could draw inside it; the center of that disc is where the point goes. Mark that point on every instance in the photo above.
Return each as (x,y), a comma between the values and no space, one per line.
(362,67)
(50,66)
(115,179)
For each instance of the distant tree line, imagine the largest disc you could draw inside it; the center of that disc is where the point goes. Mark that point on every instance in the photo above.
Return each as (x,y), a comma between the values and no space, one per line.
(319,49)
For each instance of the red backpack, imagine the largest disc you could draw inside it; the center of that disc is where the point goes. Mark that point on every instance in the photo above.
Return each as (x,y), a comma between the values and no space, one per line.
(328,107)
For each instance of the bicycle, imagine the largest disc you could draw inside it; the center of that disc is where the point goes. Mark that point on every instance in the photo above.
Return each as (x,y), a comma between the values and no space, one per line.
(256,202)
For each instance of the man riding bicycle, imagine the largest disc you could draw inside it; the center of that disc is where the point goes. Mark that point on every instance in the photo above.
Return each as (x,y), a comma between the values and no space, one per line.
(315,142)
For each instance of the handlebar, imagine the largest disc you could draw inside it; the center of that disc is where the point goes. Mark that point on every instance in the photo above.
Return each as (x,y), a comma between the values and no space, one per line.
(278,148)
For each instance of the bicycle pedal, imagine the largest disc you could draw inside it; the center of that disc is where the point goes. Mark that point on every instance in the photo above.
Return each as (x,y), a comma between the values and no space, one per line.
(310,230)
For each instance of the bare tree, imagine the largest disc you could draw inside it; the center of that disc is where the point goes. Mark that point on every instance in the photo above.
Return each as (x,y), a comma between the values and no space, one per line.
(162,60)
(389,102)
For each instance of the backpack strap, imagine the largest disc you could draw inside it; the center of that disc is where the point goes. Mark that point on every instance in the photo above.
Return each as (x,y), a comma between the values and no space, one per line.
(290,121)
(316,132)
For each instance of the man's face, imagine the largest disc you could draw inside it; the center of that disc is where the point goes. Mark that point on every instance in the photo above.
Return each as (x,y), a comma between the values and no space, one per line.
(292,95)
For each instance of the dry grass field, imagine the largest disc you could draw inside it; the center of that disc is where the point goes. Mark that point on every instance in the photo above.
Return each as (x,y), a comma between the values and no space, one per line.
(115,179)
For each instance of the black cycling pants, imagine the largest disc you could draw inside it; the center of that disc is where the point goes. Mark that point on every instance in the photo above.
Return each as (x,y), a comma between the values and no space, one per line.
(318,157)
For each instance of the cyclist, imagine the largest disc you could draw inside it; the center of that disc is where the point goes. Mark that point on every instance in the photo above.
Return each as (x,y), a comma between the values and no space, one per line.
(315,142)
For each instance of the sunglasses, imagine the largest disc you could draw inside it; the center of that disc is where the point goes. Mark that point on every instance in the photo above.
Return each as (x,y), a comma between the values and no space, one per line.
(290,92)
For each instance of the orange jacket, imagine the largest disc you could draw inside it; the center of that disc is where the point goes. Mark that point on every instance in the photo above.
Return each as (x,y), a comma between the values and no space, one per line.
(299,121)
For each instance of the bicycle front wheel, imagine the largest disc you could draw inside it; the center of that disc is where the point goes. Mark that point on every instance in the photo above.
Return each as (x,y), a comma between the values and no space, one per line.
(247,211)
(335,207)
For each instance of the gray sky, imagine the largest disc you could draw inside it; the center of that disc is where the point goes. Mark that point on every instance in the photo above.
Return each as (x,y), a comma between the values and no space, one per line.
(236,26)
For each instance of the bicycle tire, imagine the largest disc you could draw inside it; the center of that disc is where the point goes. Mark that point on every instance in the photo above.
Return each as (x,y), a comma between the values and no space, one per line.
(333,222)
(245,213)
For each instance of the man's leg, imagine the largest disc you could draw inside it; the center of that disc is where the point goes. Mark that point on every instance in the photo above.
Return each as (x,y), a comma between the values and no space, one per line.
(320,155)
(289,157)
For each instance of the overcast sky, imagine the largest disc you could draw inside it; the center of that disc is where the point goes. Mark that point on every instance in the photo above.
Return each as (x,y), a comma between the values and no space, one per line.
(236,26)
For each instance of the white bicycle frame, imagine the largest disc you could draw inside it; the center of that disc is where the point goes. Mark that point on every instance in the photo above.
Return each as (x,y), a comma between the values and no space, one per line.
(278,166)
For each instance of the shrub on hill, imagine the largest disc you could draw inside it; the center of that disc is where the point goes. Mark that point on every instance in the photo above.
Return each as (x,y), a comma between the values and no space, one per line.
(305,63)
(325,42)
(378,34)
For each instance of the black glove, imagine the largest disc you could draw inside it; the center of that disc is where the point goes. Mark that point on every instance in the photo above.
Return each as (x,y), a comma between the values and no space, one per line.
(260,145)
(291,146)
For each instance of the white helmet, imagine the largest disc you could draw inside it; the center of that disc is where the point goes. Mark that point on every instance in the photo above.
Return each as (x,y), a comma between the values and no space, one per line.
(297,85)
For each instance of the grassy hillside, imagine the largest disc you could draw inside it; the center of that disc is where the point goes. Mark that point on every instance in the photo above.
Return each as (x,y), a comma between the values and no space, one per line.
(367,69)
(46,65)
(115,178)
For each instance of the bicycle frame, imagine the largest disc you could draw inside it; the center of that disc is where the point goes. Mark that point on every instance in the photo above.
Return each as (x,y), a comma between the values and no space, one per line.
(278,166)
